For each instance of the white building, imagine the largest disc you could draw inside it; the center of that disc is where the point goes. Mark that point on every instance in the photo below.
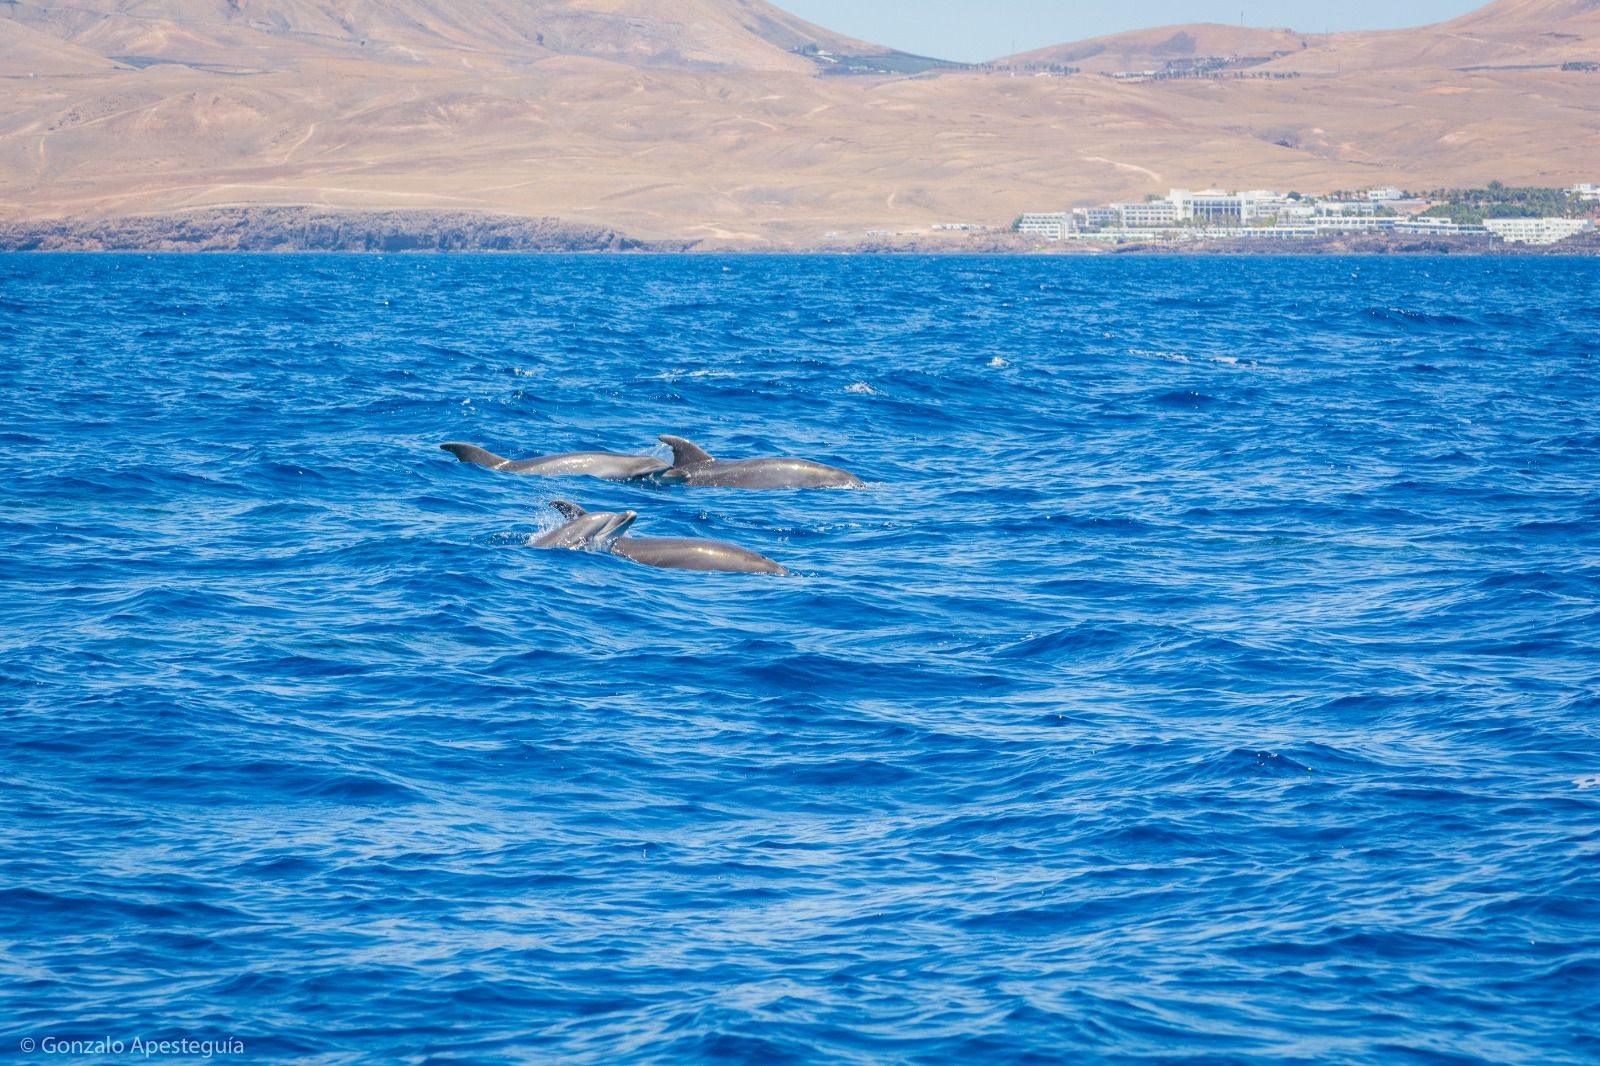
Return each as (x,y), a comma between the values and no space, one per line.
(1342,208)
(1217,208)
(1152,215)
(1586,191)
(1097,217)
(1265,203)
(1280,232)
(1537,230)
(1379,196)
(1439,227)
(1211,206)
(1053,226)
(1353,224)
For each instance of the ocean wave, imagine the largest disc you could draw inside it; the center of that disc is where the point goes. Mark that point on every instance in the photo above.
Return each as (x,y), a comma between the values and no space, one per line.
(1163,681)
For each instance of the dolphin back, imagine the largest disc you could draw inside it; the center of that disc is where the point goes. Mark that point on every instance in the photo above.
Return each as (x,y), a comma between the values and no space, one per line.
(683,553)
(607,466)
(771,474)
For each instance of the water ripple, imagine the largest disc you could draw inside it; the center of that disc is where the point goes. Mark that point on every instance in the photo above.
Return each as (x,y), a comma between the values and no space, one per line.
(1206,674)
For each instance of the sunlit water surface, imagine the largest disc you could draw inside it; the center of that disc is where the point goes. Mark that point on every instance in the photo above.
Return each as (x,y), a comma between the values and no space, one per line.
(1208,673)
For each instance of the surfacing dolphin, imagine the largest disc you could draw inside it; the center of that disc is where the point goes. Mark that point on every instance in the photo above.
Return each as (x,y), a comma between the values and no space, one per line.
(674,553)
(586,531)
(692,466)
(604,465)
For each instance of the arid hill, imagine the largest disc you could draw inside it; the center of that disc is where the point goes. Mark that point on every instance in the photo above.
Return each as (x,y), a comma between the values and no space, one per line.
(27,51)
(1155,49)
(1509,32)
(730,122)
(284,34)
(1505,35)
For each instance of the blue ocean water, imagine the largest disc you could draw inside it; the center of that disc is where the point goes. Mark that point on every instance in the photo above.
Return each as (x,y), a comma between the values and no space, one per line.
(1209,672)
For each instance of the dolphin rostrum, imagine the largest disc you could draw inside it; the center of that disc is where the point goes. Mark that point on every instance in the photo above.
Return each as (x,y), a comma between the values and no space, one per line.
(595,464)
(692,466)
(674,553)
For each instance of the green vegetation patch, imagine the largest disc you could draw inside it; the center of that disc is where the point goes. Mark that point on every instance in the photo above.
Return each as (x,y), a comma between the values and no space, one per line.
(1471,206)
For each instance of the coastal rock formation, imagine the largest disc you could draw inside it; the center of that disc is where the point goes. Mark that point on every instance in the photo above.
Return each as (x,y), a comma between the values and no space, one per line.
(292,229)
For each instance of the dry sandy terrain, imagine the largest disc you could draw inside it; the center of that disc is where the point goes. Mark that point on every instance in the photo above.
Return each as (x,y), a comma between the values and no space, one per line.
(697,120)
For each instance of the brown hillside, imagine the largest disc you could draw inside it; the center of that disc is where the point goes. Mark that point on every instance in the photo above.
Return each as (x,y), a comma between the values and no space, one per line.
(276,34)
(693,119)
(1509,33)
(1154,49)
(26,52)
(1537,15)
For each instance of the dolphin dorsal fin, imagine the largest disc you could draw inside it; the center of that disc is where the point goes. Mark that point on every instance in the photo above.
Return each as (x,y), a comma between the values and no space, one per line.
(684,453)
(471,453)
(566,510)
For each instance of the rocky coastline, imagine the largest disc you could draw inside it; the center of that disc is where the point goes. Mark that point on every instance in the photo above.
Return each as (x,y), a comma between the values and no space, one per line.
(308,229)
(1372,244)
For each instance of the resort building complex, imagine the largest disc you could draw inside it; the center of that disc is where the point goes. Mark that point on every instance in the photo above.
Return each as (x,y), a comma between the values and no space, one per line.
(1537,230)
(1212,214)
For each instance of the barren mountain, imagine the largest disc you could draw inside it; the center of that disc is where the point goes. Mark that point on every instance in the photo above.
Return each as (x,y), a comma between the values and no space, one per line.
(279,34)
(729,120)
(1507,34)
(1155,49)
(26,51)
(1537,17)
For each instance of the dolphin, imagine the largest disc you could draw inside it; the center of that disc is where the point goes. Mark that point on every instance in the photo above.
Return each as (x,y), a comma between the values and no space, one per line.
(692,466)
(676,553)
(595,464)
(585,531)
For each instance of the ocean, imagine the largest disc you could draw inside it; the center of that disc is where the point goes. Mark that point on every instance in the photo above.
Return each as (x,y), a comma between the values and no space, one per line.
(1209,671)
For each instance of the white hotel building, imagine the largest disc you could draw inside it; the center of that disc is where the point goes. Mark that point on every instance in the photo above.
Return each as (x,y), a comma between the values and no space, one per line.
(1155,214)
(1217,208)
(1536,230)
(1052,226)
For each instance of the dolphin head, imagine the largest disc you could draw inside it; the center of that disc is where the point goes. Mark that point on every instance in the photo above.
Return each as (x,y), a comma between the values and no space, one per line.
(592,531)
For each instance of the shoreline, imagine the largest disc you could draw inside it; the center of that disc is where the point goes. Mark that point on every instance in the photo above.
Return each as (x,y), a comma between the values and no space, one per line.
(307,230)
